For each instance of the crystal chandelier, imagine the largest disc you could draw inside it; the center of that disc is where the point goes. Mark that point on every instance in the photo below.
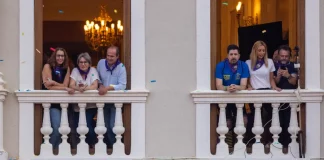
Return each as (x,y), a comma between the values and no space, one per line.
(103,35)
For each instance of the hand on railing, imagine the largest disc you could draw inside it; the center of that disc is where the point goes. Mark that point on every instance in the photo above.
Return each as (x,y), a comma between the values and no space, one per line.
(102,90)
(277,89)
(70,90)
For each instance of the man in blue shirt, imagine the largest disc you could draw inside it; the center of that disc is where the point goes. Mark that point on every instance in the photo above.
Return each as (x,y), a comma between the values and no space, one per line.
(286,78)
(231,75)
(112,74)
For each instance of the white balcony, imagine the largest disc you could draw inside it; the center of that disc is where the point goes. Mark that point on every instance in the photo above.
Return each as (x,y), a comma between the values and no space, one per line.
(203,99)
(27,99)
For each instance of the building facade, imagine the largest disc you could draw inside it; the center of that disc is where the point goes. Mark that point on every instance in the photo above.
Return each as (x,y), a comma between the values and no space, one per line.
(171,91)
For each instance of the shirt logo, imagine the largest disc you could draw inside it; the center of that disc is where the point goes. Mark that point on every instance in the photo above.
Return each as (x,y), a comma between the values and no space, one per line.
(238,76)
(227,77)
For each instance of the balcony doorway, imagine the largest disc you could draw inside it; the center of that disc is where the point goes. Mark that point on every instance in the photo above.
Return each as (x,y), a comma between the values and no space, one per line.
(63,24)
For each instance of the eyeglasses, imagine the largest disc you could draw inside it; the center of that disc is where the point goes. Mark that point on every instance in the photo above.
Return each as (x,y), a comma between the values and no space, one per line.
(59,55)
(83,62)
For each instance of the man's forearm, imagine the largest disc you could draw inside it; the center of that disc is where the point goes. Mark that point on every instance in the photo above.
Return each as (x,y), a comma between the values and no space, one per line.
(292,80)
(241,87)
(221,87)
(277,79)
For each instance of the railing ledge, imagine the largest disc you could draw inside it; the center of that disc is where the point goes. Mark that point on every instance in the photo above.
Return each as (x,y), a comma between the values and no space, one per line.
(258,96)
(54,96)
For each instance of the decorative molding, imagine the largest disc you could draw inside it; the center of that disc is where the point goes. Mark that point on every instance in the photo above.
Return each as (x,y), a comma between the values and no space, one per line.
(3,94)
(258,96)
(45,96)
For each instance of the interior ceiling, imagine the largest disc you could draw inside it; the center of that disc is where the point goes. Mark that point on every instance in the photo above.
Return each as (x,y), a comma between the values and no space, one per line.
(80,10)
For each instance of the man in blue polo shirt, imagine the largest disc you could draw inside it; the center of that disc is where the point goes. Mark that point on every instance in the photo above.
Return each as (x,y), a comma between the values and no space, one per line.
(112,74)
(286,78)
(231,75)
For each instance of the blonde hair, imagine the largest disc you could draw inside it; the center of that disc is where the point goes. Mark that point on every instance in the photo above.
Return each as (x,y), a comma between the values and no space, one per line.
(253,55)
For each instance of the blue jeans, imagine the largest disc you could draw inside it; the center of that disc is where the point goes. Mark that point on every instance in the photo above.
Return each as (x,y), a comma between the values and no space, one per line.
(55,114)
(91,137)
(109,116)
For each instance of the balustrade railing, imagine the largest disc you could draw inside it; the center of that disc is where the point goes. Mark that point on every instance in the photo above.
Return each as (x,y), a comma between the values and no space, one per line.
(27,99)
(203,99)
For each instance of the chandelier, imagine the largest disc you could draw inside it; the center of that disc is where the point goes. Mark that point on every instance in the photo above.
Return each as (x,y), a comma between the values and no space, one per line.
(105,34)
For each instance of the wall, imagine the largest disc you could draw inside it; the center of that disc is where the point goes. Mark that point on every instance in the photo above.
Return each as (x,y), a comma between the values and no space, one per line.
(170,60)
(9,52)
(322,72)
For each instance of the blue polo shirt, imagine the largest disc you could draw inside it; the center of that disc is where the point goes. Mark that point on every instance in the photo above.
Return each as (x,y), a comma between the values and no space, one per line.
(117,78)
(223,71)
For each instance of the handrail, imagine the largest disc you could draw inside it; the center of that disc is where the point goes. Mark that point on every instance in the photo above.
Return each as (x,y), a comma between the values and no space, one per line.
(258,96)
(55,96)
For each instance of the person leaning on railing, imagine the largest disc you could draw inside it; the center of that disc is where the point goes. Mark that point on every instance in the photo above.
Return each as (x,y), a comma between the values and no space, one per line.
(112,74)
(261,78)
(286,78)
(55,74)
(83,78)
(231,75)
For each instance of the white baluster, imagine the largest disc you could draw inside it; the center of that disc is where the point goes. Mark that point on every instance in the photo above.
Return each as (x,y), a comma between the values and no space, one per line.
(83,148)
(239,129)
(46,130)
(64,130)
(118,147)
(101,148)
(222,148)
(258,148)
(275,129)
(293,130)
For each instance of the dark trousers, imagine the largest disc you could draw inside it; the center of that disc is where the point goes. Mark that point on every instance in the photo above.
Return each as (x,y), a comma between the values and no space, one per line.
(231,113)
(284,119)
(266,116)
(109,117)
(91,136)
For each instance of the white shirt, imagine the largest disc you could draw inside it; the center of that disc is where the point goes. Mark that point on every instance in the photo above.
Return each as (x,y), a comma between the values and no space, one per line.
(91,77)
(260,78)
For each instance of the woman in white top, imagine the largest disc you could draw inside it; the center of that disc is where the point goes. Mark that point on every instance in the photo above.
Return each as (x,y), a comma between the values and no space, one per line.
(261,78)
(83,78)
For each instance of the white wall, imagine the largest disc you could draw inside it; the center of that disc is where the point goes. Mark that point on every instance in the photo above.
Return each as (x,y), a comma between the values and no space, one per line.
(171,61)
(322,72)
(9,52)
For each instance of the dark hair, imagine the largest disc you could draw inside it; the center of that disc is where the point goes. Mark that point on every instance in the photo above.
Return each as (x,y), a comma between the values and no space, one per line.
(116,48)
(52,60)
(232,47)
(284,47)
